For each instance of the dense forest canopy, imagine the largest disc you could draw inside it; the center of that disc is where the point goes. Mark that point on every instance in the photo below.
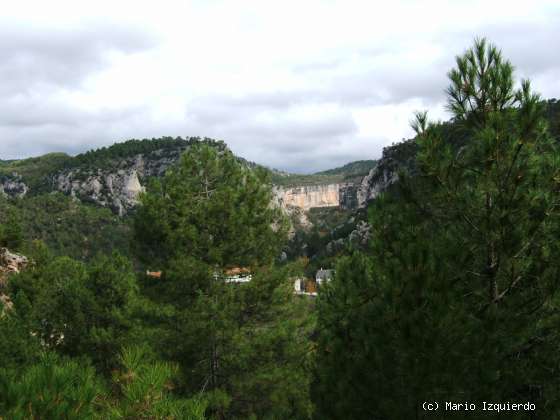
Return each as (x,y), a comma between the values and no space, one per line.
(452,295)
(457,300)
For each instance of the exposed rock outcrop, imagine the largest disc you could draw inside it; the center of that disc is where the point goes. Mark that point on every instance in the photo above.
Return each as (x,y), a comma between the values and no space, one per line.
(400,156)
(13,186)
(298,218)
(374,183)
(10,263)
(297,201)
(115,180)
(119,185)
(308,196)
(119,190)
(348,195)
(361,235)
(357,239)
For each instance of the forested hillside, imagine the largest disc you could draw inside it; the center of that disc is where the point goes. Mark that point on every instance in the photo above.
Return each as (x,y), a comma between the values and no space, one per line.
(38,172)
(350,171)
(66,226)
(112,342)
(445,284)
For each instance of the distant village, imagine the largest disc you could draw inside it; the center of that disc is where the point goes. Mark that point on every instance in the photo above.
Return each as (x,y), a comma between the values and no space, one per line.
(302,286)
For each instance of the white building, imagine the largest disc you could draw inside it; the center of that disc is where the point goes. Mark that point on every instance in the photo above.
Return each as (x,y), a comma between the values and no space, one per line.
(324,276)
(237,275)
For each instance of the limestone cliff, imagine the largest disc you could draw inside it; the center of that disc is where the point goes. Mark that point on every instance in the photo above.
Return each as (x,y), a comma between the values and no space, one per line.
(357,192)
(374,183)
(10,263)
(297,201)
(13,186)
(306,197)
(118,185)
(398,157)
(118,190)
(114,177)
(309,196)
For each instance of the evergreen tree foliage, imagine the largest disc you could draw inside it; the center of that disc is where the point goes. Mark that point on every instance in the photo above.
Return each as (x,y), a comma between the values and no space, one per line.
(458,298)
(57,388)
(68,227)
(143,390)
(210,208)
(78,309)
(242,345)
(17,346)
(51,389)
(247,347)
(11,232)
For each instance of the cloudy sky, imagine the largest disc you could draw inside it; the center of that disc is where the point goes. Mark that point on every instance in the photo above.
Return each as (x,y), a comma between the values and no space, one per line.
(297,85)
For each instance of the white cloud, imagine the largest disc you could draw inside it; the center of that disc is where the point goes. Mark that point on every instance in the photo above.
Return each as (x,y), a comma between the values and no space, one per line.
(295,85)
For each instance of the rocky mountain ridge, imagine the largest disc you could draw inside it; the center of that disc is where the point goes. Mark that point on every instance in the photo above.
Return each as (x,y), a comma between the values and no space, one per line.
(114,176)
(116,182)
(118,187)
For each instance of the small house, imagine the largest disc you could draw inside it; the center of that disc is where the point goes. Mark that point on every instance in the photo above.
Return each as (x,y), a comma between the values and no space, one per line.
(154,274)
(324,276)
(305,287)
(237,275)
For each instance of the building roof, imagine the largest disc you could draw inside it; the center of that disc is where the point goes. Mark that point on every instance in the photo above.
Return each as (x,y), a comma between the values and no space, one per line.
(154,274)
(324,274)
(237,271)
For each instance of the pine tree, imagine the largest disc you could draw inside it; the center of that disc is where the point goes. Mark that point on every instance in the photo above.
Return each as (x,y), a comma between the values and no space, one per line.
(210,208)
(78,309)
(50,389)
(458,298)
(11,233)
(247,347)
(58,388)
(242,345)
(143,390)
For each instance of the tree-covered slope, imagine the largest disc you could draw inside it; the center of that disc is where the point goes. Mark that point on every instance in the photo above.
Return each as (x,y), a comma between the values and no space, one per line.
(38,172)
(352,169)
(345,173)
(456,298)
(66,226)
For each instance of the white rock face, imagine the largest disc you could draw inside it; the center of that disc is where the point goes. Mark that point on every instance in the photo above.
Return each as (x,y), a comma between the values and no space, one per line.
(296,202)
(13,186)
(119,186)
(96,186)
(119,190)
(374,183)
(132,187)
(10,263)
(309,196)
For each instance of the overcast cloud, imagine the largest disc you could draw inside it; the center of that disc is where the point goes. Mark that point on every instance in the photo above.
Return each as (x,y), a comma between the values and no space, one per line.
(296,85)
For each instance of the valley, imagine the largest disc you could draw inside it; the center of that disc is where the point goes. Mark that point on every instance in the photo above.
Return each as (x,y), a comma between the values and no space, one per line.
(122,259)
